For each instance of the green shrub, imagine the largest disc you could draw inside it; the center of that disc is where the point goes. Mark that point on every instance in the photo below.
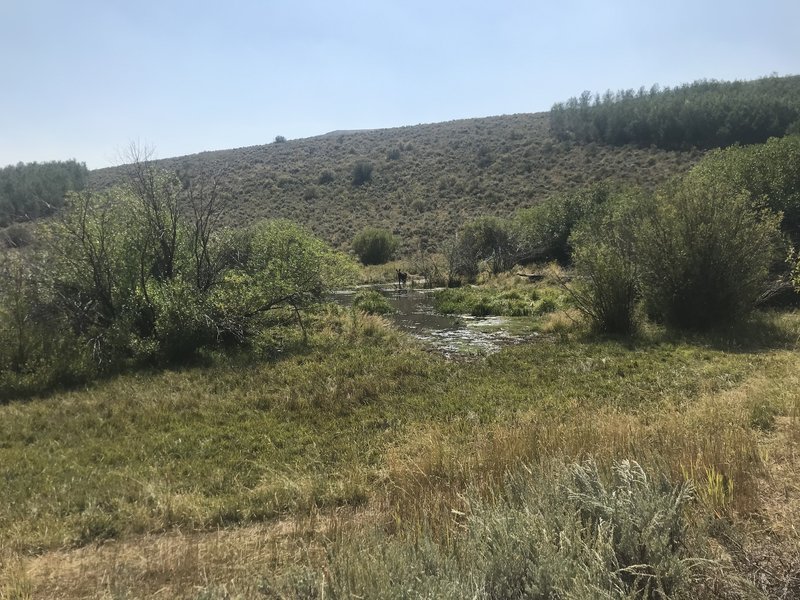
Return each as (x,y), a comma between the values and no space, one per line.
(129,277)
(484,239)
(769,174)
(704,254)
(372,302)
(604,260)
(361,173)
(325,177)
(374,246)
(541,233)
(183,322)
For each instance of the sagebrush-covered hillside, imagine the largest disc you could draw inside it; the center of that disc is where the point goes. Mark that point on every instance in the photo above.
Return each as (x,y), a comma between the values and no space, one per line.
(425,181)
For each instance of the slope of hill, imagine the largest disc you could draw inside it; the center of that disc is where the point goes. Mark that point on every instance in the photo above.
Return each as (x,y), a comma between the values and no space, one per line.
(426,180)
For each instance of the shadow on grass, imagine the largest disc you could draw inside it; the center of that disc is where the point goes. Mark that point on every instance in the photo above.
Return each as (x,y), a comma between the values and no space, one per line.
(763,331)
(32,385)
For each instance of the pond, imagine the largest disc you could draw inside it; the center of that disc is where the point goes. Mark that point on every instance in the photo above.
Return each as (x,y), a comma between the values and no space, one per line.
(453,335)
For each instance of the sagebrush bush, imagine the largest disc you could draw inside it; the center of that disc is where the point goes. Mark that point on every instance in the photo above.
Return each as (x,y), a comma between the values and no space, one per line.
(574,536)
(326,177)
(361,173)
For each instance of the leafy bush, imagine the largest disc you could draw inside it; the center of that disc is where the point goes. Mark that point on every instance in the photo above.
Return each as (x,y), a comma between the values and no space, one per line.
(282,267)
(183,320)
(372,302)
(604,259)
(698,252)
(130,276)
(374,246)
(484,239)
(769,174)
(704,254)
(361,173)
(542,232)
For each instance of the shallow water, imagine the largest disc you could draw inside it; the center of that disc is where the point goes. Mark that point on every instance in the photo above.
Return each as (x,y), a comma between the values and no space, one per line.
(453,335)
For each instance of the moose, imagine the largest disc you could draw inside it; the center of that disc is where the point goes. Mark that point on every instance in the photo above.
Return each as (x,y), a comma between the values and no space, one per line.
(401,278)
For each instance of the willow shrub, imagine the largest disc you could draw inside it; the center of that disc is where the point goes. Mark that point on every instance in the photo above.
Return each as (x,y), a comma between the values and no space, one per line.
(374,246)
(604,259)
(704,254)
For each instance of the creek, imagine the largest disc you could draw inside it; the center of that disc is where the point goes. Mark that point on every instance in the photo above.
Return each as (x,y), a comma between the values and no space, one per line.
(453,335)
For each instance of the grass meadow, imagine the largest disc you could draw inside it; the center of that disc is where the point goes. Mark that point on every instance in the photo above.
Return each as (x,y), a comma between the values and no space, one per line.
(305,474)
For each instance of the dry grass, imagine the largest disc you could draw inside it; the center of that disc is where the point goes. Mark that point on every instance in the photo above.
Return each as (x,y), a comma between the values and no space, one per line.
(172,565)
(710,441)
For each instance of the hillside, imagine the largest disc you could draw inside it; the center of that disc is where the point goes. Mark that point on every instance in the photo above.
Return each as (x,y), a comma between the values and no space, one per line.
(427,180)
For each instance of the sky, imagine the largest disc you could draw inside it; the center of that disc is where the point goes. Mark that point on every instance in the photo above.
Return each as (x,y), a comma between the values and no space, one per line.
(84,79)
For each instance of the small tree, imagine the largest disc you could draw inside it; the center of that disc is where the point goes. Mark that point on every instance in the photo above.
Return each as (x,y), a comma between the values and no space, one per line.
(374,246)
(283,270)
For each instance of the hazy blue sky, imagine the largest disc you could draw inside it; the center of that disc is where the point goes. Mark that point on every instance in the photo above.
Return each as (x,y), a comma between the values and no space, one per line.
(81,79)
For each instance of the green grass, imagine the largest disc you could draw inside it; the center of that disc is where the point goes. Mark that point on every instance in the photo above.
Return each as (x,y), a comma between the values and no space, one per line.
(488,301)
(360,463)
(504,295)
(244,441)
(372,302)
